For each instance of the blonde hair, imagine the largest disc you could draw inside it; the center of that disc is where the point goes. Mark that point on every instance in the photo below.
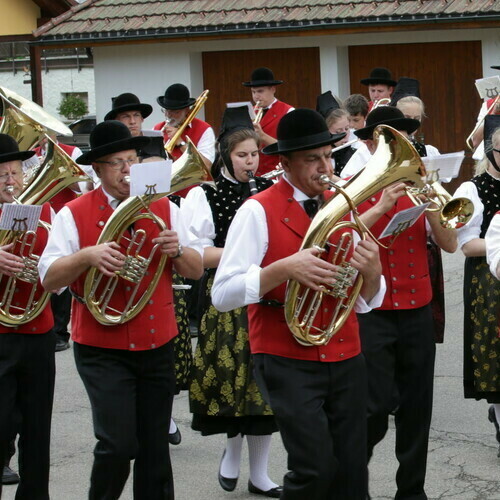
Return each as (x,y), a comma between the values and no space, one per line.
(336,115)
(483,164)
(411,99)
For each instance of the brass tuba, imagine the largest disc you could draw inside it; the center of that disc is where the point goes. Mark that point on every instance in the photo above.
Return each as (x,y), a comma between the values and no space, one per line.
(26,121)
(57,172)
(395,160)
(188,170)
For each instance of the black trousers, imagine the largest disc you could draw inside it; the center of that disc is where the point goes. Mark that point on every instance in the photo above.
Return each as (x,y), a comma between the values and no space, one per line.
(61,308)
(320,409)
(27,374)
(399,350)
(131,395)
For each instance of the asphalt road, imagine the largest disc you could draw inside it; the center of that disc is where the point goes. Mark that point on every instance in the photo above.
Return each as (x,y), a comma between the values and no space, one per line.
(462,462)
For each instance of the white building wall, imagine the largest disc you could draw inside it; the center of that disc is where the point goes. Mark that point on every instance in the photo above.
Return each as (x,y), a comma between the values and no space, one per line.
(148,69)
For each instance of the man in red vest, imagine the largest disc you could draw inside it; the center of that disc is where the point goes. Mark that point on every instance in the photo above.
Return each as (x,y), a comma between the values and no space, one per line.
(27,365)
(176,104)
(317,393)
(263,86)
(128,368)
(380,86)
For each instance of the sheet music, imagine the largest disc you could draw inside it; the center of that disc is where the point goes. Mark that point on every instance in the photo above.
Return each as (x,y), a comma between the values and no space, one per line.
(150,178)
(488,87)
(403,220)
(445,166)
(251,110)
(17,217)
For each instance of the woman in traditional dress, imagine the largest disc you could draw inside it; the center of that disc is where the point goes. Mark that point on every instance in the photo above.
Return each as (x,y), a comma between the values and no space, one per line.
(224,397)
(481,289)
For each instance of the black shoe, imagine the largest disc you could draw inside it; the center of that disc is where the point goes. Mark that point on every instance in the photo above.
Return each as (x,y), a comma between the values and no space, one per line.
(61,345)
(272,493)
(227,483)
(175,438)
(9,476)
(493,419)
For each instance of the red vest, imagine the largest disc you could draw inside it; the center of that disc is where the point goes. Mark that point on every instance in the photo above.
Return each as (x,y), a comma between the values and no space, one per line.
(287,224)
(269,124)
(44,321)
(156,324)
(404,264)
(489,103)
(194,132)
(67,194)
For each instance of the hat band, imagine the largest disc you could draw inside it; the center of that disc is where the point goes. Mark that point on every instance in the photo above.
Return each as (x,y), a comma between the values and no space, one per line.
(284,144)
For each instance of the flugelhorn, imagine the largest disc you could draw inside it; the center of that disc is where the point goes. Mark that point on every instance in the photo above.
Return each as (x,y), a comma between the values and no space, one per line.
(26,121)
(395,160)
(170,144)
(187,171)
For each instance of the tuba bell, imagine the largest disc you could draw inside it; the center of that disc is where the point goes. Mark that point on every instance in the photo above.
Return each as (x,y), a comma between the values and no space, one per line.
(57,172)
(188,170)
(395,160)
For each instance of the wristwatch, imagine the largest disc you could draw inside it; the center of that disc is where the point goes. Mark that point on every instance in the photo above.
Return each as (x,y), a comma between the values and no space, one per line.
(180,252)
(182,143)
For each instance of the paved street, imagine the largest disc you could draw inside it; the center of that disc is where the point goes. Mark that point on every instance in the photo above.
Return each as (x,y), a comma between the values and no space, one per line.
(462,458)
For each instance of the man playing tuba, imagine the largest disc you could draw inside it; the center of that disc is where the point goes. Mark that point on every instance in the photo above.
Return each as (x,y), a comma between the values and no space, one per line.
(127,368)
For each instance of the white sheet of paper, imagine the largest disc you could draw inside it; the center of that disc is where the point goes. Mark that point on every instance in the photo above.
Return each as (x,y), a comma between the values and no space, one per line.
(20,217)
(406,218)
(447,166)
(150,178)
(488,87)
(251,110)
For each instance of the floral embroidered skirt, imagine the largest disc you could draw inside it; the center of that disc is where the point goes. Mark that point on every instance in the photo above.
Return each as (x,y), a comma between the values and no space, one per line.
(481,331)
(224,397)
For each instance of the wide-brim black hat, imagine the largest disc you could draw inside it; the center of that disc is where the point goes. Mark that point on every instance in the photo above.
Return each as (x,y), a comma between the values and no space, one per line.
(110,137)
(9,150)
(128,102)
(386,115)
(262,77)
(234,119)
(326,103)
(299,130)
(379,76)
(405,87)
(176,97)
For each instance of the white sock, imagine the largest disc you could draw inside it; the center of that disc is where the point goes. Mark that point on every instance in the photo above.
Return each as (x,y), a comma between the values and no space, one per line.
(230,464)
(497,411)
(173,426)
(258,455)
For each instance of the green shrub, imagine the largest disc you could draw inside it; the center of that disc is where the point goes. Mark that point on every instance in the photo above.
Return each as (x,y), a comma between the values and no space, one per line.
(72,107)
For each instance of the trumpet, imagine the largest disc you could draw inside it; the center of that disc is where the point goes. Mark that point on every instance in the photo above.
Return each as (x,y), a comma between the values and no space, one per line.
(259,114)
(385,101)
(493,105)
(170,145)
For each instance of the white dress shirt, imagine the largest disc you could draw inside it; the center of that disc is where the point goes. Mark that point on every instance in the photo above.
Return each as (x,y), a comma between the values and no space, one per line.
(64,239)
(237,280)
(206,144)
(492,240)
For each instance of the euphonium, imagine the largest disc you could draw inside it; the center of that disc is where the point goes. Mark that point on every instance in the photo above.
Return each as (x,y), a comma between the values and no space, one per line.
(395,160)
(188,170)
(57,171)
(26,121)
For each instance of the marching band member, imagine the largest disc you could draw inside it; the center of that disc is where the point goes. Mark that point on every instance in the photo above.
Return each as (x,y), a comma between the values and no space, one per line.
(357,107)
(128,109)
(263,87)
(127,369)
(27,364)
(398,337)
(231,403)
(479,243)
(317,394)
(176,105)
(380,85)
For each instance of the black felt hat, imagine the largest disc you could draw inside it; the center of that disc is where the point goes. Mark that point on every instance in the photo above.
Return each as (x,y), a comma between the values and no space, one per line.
(405,87)
(386,115)
(491,123)
(495,67)
(9,150)
(128,102)
(379,76)
(299,130)
(326,103)
(262,77)
(109,137)
(234,119)
(176,97)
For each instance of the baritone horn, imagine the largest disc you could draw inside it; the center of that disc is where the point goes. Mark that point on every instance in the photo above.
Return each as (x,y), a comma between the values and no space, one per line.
(26,121)
(187,171)
(395,160)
